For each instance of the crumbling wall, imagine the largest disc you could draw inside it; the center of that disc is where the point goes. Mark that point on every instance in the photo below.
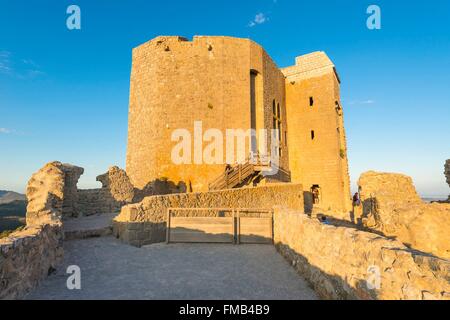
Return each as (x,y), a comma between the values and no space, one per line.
(392,206)
(145,222)
(345,263)
(96,201)
(70,203)
(117,181)
(45,194)
(28,256)
(116,191)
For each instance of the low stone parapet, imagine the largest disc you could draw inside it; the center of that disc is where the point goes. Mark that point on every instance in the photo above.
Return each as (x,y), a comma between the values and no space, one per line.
(345,263)
(392,207)
(27,257)
(95,201)
(145,222)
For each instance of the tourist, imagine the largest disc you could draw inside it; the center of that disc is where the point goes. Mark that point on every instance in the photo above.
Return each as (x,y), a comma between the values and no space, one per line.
(356,200)
(315,194)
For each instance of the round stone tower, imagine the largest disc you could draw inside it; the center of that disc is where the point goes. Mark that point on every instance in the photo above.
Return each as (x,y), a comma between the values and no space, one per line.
(217,82)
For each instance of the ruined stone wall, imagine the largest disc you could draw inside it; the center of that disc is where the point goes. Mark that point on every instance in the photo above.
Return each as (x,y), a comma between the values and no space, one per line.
(340,262)
(45,194)
(316,139)
(144,223)
(117,181)
(28,256)
(175,82)
(96,201)
(70,201)
(116,192)
(392,206)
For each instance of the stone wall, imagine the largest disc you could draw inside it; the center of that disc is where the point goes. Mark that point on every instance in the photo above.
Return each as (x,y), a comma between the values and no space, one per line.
(45,194)
(70,203)
(28,256)
(392,206)
(144,223)
(340,263)
(96,201)
(117,181)
(116,192)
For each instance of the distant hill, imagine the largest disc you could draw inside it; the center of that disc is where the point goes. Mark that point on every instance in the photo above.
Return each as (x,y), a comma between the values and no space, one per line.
(11,196)
(17,208)
(13,208)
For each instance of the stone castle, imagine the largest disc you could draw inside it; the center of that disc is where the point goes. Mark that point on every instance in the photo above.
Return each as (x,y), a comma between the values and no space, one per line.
(231,83)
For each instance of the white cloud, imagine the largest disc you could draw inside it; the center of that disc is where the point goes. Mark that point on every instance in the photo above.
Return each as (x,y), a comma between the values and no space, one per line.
(5,54)
(5,131)
(260,18)
(5,63)
(21,69)
(4,68)
(361,102)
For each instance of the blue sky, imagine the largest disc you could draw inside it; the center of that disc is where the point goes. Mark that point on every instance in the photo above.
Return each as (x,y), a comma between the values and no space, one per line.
(64,94)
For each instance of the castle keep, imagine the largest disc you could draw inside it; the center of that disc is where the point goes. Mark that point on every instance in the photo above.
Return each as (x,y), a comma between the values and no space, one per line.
(231,83)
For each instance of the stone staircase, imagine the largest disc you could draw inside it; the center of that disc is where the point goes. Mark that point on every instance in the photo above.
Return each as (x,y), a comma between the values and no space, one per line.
(240,175)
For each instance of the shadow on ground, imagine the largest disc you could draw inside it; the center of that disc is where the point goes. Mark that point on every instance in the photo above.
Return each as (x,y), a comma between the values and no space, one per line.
(113,270)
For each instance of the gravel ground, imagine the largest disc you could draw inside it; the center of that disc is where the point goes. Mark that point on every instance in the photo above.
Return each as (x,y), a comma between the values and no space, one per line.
(113,270)
(97,221)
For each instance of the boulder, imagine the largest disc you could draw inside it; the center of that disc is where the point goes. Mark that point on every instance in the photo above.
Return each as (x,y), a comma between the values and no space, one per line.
(392,206)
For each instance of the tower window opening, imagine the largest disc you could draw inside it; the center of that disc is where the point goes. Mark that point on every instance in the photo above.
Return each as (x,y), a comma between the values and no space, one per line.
(276,118)
(311,101)
(338,108)
(313,134)
(256,100)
